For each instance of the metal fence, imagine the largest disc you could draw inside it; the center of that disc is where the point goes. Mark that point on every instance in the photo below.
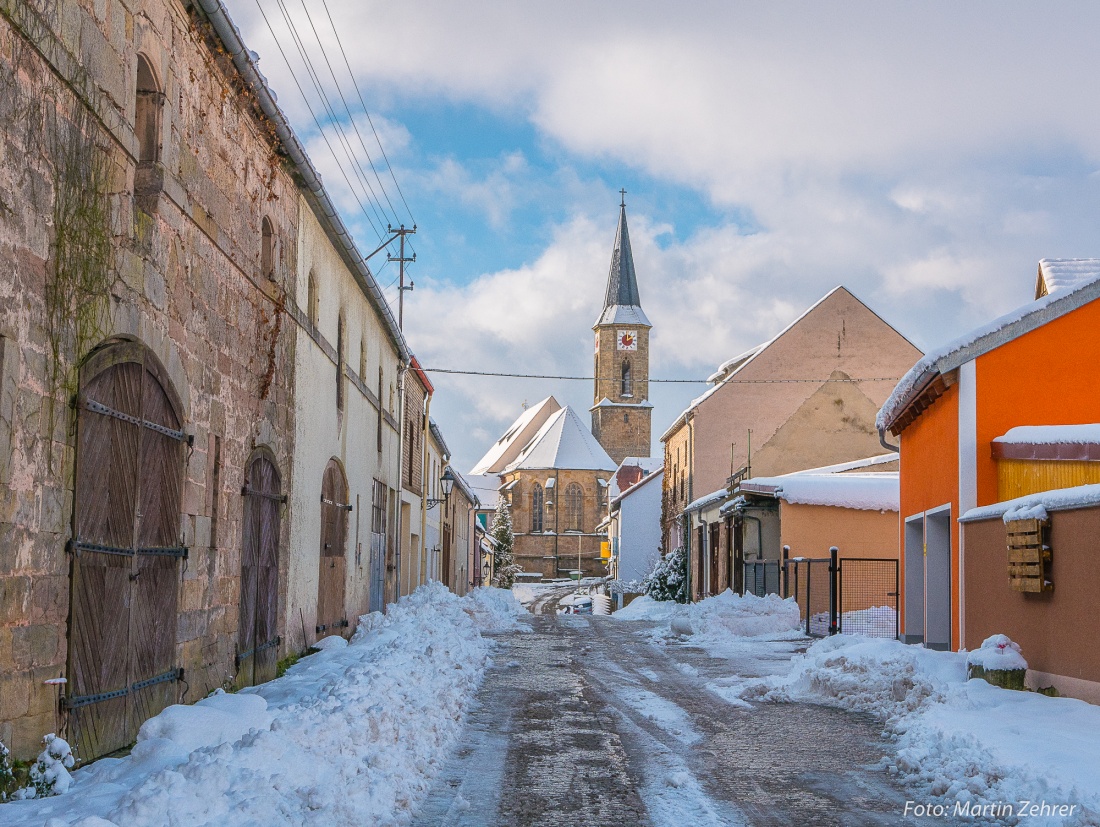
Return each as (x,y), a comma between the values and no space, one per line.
(853,595)
(867,596)
(763,577)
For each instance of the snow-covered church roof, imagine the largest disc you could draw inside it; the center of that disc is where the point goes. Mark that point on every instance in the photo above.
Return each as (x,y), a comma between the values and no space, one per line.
(563,442)
(519,434)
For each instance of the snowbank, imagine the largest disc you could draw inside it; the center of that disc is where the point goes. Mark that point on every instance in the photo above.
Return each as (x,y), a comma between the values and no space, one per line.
(964,741)
(496,610)
(350,735)
(721,617)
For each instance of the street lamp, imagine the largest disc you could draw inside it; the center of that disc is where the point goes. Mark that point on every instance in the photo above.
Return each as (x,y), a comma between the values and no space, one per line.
(447,483)
(486,571)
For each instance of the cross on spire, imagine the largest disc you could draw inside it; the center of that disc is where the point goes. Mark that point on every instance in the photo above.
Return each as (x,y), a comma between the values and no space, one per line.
(623,194)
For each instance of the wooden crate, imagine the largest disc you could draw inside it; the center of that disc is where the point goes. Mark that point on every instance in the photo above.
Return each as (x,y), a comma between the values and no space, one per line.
(1029,556)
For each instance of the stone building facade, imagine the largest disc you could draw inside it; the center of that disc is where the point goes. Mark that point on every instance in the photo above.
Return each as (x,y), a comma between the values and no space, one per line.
(151,199)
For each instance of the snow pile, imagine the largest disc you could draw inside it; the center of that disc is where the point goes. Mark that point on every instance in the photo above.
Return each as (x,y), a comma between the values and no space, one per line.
(50,774)
(350,735)
(646,608)
(496,610)
(963,741)
(719,618)
(998,652)
(877,621)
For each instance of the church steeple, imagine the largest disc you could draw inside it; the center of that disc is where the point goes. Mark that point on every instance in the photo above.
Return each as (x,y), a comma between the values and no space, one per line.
(621,412)
(622,302)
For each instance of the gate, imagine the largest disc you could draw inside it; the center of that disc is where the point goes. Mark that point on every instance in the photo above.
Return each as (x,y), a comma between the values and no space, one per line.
(125,548)
(331,613)
(761,577)
(867,594)
(811,583)
(257,647)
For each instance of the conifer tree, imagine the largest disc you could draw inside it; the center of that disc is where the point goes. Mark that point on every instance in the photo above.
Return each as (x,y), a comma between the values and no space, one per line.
(669,578)
(504,561)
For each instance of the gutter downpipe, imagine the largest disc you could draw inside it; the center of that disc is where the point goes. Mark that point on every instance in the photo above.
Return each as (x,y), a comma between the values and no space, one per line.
(423,575)
(690,499)
(882,441)
(243,61)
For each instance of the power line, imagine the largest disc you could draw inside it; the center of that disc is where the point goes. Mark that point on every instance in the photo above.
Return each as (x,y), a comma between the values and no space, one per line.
(662,381)
(366,112)
(333,120)
(316,120)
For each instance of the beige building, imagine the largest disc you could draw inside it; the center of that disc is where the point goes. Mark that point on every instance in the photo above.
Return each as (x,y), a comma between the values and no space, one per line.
(807,398)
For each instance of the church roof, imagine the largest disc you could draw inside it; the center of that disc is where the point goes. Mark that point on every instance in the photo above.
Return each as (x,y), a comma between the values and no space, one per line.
(622,303)
(563,443)
(508,447)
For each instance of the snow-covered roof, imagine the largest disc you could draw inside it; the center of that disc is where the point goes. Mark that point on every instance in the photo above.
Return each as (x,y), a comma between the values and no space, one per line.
(484,487)
(437,434)
(981,340)
(623,314)
(467,490)
(646,480)
(1032,505)
(1057,274)
(871,491)
(647,464)
(1051,435)
(563,442)
(731,368)
(507,448)
(841,467)
(707,499)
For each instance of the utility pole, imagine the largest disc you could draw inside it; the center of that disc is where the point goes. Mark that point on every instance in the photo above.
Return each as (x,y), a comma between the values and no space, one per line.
(401,259)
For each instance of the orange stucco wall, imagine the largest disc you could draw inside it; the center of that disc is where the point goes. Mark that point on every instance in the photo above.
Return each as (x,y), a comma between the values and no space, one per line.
(1046,377)
(930,478)
(811,529)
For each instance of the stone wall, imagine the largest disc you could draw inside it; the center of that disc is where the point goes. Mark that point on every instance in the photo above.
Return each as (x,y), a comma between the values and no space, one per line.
(184,279)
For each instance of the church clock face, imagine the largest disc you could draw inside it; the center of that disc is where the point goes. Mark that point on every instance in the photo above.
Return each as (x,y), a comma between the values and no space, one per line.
(626,340)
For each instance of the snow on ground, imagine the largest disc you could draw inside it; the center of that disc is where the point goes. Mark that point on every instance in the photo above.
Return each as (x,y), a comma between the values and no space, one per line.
(876,621)
(957,740)
(350,735)
(719,618)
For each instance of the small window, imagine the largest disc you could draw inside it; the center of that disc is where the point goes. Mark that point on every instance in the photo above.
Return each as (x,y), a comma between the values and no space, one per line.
(537,509)
(267,249)
(574,507)
(362,359)
(380,410)
(147,112)
(313,302)
(340,364)
(627,385)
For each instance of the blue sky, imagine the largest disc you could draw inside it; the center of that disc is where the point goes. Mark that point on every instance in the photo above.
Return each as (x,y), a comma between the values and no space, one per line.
(924,155)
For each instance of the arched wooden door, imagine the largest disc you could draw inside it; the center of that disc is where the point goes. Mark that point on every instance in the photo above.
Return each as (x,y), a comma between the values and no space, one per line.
(126,549)
(257,645)
(331,614)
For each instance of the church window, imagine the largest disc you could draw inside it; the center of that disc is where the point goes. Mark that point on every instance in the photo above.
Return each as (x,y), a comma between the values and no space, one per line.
(536,509)
(313,304)
(574,507)
(627,385)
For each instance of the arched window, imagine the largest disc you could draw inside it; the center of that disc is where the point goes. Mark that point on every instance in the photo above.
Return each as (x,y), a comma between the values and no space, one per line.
(313,303)
(627,386)
(340,363)
(267,249)
(537,509)
(574,507)
(147,112)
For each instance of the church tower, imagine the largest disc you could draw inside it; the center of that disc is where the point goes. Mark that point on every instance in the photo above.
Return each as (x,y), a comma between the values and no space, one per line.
(622,413)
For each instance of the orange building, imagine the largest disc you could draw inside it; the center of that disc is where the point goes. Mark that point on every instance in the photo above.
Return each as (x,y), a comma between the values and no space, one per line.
(1035,366)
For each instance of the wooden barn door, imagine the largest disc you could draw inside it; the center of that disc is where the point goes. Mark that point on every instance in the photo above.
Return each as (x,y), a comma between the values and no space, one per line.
(331,615)
(126,550)
(258,643)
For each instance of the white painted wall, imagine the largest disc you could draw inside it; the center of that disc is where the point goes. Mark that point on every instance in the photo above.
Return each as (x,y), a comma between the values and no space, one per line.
(320,433)
(639,529)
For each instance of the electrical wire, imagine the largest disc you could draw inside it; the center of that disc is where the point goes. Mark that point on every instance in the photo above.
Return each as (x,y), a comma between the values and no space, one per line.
(662,381)
(366,112)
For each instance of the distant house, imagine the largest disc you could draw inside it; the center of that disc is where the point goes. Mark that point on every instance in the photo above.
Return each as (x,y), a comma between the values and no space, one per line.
(634,528)
(805,399)
(955,413)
